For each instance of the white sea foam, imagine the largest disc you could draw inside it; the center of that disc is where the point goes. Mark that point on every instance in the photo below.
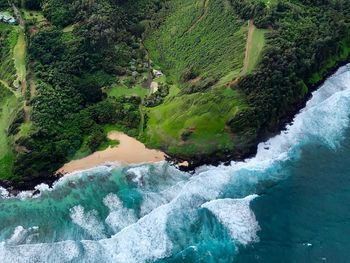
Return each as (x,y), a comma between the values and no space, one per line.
(237,216)
(137,174)
(22,236)
(59,252)
(322,121)
(88,221)
(119,216)
(4,193)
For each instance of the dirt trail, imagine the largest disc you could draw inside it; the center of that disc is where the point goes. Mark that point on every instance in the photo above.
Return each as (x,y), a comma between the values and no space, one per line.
(200,18)
(246,55)
(248,47)
(18,14)
(20,57)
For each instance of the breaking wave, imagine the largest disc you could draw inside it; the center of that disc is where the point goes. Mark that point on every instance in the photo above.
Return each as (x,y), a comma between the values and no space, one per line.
(155,212)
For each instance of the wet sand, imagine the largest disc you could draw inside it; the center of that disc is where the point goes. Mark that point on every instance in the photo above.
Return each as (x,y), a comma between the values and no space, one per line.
(129,151)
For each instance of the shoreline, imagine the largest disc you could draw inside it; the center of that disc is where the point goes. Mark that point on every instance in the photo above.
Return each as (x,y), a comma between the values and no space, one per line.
(128,151)
(226,158)
(183,163)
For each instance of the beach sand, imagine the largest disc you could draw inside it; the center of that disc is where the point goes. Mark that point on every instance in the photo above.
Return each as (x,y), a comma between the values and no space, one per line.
(129,151)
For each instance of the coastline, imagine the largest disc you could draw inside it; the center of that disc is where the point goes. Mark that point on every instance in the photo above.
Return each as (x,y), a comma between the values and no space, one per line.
(183,163)
(226,158)
(129,151)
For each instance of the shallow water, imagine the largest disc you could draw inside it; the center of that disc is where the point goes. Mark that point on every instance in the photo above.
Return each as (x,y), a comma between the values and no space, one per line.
(287,204)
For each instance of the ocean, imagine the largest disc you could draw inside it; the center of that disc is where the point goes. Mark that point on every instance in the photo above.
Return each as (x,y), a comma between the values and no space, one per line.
(290,203)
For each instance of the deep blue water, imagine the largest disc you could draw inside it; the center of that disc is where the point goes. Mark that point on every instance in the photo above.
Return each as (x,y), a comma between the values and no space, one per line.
(306,218)
(290,203)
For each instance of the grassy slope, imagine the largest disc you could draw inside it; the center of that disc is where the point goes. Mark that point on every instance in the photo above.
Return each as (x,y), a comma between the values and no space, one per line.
(203,113)
(19,54)
(12,63)
(8,107)
(215,47)
(256,46)
(7,69)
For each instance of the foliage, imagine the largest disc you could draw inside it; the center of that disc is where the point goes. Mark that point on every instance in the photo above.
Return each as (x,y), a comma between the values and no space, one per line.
(69,108)
(193,41)
(157,97)
(309,37)
(8,40)
(8,108)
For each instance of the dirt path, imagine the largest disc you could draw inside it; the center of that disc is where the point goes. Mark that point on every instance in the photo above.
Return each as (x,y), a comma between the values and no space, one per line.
(248,47)
(20,53)
(18,15)
(200,18)
(246,54)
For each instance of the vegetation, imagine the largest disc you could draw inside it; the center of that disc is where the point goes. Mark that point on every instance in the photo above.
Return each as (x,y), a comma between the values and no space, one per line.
(307,39)
(75,50)
(8,108)
(293,45)
(194,40)
(193,53)
(193,124)
(8,40)
(193,78)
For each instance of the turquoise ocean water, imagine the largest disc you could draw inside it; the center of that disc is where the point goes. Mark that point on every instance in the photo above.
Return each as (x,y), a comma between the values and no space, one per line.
(290,203)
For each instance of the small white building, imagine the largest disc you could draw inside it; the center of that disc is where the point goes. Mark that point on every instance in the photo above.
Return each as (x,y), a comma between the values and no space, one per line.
(157,73)
(7,18)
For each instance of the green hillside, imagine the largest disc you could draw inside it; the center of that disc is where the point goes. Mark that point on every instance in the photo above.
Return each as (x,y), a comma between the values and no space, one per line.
(203,36)
(8,109)
(8,40)
(201,47)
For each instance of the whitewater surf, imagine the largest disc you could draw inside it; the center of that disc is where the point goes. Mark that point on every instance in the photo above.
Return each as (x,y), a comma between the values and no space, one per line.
(154,212)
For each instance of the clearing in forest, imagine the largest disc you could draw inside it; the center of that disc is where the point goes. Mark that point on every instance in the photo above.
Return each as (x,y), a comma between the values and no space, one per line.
(255,44)
(19,54)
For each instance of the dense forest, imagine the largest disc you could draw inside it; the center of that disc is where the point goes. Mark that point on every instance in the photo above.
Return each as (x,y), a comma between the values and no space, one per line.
(84,56)
(67,70)
(306,39)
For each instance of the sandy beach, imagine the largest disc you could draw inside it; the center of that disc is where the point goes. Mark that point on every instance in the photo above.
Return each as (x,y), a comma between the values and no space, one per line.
(129,151)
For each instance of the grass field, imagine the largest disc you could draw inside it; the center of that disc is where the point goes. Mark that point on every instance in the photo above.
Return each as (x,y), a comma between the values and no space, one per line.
(7,67)
(205,114)
(35,16)
(19,54)
(13,63)
(122,90)
(255,47)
